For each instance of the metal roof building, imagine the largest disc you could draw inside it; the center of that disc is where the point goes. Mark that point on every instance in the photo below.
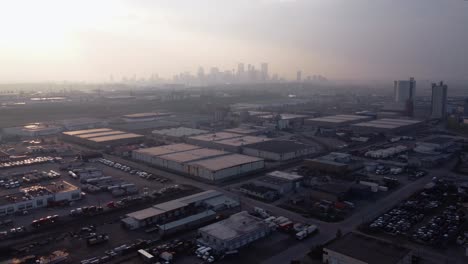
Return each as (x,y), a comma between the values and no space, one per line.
(389,125)
(278,150)
(235,232)
(102,137)
(336,120)
(176,209)
(224,167)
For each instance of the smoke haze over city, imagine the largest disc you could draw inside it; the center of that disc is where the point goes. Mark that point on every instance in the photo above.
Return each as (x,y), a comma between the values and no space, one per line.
(340,39)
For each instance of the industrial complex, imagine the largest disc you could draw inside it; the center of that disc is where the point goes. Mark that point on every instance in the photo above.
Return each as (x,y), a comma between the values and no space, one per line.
(101,137)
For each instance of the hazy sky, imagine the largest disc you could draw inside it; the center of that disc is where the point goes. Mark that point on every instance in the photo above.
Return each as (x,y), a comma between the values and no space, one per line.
(43,40)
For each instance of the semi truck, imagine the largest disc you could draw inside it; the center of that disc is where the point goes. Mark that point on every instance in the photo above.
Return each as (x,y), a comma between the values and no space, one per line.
(98,239)
(306,232)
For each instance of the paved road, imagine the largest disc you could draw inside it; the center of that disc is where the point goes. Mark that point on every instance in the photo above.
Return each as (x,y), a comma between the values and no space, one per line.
(327,230)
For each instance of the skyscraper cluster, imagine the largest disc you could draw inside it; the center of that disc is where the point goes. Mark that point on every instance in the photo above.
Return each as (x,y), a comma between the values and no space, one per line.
(405,93)
(243,74)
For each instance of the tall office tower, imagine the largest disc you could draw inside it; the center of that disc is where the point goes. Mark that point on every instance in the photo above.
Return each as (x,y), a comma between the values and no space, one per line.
(201,75)
(299,76)
(214,74)
(252,73)
(240,72)
(465,108)
(405,93)
(439,100)
(264,69)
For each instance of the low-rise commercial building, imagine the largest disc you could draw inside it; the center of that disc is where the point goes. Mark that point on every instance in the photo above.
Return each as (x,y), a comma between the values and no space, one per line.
(336,121)
(178,134)
(334,163)
(434,145)
(178,209)
(225,167)
(33,130)
(150,155)
(4,156)
(386,125)
(278,150)
(179,161)
(282,182)
(210,140)
(39,196)
(247,130)
(238,143)
(283,121)
(233,233)
(102,137)
(144,117)
(83,123)
(360,249)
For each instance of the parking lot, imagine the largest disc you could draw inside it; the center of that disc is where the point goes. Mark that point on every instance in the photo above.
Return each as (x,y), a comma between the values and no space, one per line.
(432,217)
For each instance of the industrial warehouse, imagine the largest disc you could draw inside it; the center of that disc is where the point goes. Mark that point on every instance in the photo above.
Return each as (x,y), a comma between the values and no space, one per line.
(225,141)
(387,125)
(181,210)
(39,196)
(101,137)
(336,120)
(203,163)
(278,150)
(235,232)
(176,134)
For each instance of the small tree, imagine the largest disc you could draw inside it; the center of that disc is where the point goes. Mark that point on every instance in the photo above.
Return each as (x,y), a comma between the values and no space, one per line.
(338,233)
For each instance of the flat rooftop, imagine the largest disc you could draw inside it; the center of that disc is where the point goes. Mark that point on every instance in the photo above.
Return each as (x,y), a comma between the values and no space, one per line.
(388,123)
(279,146)
(242,141)
(38,190)
(145,115)
(179,132)
(284,116)
(285,175)
(162,208)
(145,213)
(339,118)
(115,137)
(244,130)
(216,136)
(192,155)
(235,226)
(166,149)
(225,162)
(86,131)
(101,134)
(367,249)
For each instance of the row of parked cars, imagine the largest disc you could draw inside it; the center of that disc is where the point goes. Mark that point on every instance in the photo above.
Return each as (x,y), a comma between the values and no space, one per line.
(434,210)
(441,228)
(15,182)
(26,162)
(13,231)
(133,171)
(48,220)
(121,250)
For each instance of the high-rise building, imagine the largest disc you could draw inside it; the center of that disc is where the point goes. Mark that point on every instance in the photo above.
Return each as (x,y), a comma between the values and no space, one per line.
(264,73)
(465,108)
(405,90)
(299,76)
(201,75)
(439,100)
(240,72)
(405,93)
